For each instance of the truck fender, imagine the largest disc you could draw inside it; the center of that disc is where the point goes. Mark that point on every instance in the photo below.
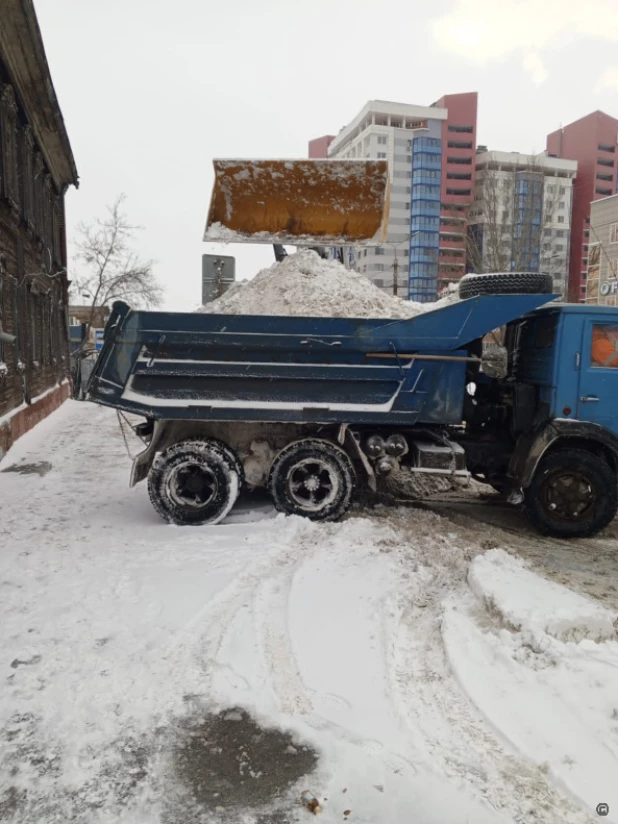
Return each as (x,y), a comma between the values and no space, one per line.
(531,446)
(143,461)
(355,450)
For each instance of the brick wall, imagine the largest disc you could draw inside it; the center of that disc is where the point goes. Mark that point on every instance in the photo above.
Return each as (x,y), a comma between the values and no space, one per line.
(23,419)
(33,276)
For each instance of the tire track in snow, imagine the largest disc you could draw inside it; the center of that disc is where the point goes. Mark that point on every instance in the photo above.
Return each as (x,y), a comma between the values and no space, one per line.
(271,610)
(263,588)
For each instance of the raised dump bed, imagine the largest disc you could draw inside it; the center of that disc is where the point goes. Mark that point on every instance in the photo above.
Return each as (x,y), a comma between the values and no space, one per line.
(294,369)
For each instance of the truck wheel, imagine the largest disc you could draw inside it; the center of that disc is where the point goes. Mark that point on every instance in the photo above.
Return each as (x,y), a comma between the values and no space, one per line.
(574,494)
(506,283)
(194,482)
(312,478)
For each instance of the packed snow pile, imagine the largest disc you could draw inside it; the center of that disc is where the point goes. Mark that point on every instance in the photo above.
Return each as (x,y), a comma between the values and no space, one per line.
(528,603)
(305,284)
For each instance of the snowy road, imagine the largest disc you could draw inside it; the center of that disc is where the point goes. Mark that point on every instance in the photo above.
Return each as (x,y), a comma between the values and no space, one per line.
(401,665)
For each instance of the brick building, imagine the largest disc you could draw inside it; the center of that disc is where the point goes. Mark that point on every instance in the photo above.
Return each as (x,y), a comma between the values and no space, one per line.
(36,169)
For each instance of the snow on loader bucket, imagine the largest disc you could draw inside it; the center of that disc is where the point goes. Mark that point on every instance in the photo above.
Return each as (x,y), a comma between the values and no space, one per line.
(301,202)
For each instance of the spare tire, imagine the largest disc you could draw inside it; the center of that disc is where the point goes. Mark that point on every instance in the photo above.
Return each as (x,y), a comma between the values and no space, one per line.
(506,283)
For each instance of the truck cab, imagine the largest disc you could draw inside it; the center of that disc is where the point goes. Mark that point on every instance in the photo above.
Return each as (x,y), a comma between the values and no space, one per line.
(555,418)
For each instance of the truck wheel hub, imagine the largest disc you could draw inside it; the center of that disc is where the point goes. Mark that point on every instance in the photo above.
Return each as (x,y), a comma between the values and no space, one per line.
(193,485)
(569,496)
(311,483)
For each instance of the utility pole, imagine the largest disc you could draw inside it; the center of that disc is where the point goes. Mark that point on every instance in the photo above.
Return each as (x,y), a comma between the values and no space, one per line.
(396,262)
(219,270)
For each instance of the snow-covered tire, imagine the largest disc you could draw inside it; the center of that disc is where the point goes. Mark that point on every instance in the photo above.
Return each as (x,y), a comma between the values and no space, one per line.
(313,478)
(574,494)
(206,471)
(506,283)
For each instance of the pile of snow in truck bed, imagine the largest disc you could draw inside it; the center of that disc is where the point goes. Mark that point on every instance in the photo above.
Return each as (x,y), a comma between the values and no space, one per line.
(305,284)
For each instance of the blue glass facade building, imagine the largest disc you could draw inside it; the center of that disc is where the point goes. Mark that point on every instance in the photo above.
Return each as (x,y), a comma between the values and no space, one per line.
(528,218)
(425,218)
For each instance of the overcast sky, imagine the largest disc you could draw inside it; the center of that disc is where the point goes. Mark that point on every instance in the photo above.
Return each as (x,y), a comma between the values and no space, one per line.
(152,90)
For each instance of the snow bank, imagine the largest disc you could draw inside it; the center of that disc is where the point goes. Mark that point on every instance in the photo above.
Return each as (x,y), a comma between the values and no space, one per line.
(305,284)
(556,707)
(527,602)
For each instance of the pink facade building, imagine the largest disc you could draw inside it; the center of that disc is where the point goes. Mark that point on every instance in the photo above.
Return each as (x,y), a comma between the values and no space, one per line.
(319,146)
(592,142)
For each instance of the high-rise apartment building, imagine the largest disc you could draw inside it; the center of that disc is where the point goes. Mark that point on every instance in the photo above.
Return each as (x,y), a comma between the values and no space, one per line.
(521,216)
(431,152)
(591,141)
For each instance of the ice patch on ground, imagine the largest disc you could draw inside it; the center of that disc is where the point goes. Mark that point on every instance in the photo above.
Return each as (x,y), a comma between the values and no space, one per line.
(526,602)
(303,284)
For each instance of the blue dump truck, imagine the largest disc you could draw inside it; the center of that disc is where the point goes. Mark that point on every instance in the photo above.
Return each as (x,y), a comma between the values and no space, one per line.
(314,409)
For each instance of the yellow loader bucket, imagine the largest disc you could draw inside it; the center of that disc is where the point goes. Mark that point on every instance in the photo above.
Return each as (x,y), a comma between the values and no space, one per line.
(301,202)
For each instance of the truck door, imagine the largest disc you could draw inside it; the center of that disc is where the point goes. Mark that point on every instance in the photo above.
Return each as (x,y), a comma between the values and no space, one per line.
(598,382)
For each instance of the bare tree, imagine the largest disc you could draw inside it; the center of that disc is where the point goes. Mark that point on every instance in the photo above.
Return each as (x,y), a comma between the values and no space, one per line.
(110,270)
(511,218)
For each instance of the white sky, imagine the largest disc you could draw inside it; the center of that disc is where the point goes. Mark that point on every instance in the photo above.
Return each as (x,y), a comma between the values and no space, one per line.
(152,90)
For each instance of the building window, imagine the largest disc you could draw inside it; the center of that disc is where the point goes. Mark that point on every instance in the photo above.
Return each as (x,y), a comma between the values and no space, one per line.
(459,175)
(562,204)
(606,147)
(603,176)
(454,128)
(378,267)
(562,190)
(379,250)
(560,219)
(34,326)
(551,189)
(382,140)
(381,155)
(459,144)
(462,161)
(605,161)
(9,147)
(613,233)
(560,233)
(2,308)
(461,192)
(604,192)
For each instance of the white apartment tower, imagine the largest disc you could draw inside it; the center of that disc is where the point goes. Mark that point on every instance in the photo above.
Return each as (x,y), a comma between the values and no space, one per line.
(430,151)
